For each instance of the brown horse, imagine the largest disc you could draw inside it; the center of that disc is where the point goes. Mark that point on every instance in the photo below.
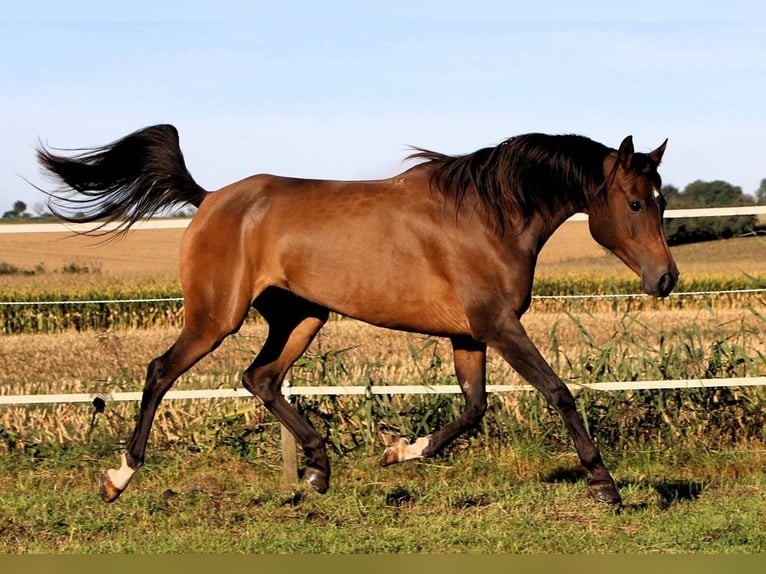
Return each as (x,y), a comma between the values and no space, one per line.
(446,248)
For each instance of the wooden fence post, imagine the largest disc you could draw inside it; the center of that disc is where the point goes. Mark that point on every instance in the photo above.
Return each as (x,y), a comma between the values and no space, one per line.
(289,454)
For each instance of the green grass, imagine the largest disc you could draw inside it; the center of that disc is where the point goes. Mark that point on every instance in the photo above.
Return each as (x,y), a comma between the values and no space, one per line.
(482,498)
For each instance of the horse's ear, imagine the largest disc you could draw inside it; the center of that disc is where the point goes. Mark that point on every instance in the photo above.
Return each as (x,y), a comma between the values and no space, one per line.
(657,154)
(625,154)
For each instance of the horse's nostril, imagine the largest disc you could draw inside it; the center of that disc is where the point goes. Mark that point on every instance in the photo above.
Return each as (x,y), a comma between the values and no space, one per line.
(666,284)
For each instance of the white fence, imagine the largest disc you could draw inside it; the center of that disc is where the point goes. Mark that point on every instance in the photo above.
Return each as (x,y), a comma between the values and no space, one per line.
(183,222)
(290,391)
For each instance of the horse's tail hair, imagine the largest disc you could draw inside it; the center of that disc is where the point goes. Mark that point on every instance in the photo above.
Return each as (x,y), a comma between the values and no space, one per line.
(125,181)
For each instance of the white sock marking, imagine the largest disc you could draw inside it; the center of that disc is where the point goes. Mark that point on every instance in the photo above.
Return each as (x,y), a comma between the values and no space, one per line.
(415,450)
(120,478)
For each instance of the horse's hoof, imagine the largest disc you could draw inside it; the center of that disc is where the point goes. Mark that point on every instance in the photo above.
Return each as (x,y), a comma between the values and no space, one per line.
(108,491)
(604,491)
(317,479)
(393,452)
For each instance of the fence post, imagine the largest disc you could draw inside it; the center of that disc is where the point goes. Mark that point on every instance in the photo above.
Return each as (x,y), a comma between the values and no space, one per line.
(289,456)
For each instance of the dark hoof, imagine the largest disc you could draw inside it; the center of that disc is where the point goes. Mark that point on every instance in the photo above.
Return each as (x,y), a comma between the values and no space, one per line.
(604,491)
(318,479)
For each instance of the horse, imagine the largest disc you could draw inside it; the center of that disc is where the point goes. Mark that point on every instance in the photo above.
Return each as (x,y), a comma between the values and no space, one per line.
(447,247)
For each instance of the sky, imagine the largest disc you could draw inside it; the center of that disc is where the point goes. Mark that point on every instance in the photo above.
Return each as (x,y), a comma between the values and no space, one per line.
(339,90)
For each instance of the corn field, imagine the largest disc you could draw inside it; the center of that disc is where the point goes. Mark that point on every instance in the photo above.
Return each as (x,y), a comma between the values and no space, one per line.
(34,311)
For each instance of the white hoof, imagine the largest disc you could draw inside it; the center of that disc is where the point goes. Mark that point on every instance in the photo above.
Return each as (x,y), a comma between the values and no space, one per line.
(402,450)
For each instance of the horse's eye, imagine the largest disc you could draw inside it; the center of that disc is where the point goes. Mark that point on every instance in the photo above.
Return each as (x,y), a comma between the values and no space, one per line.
(634,205)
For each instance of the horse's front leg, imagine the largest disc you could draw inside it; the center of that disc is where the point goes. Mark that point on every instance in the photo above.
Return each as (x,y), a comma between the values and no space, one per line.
(293,323)
(512,342)
(470,368)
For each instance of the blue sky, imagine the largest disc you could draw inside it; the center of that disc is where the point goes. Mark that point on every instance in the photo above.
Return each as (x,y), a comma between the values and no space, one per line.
(340,89)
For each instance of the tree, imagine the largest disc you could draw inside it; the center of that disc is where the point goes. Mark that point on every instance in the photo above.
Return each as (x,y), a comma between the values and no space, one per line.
(760,194)
(707,194)
(671,194)
(715,194)
(19,207)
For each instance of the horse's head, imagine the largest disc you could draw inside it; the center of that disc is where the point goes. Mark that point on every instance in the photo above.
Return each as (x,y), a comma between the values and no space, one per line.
(629,221)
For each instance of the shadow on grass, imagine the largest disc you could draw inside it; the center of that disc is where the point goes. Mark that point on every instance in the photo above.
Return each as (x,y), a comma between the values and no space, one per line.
(673,491)
(566,475)
(670,491)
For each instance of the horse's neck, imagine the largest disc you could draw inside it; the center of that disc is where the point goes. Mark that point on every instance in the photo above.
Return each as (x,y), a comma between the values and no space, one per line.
(542,225)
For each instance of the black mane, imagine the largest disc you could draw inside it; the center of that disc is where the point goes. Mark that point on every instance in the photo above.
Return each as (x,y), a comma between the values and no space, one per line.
(527,173)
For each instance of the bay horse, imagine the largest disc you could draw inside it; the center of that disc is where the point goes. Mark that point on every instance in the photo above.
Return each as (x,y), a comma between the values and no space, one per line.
(447,248)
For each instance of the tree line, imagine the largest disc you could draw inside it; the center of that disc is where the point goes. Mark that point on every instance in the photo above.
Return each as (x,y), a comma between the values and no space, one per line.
(42,213)
(711,194)
(19,211)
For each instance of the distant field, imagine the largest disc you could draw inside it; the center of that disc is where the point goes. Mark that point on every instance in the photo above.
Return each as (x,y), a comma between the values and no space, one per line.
(141,256)
(571,250)
(151,256)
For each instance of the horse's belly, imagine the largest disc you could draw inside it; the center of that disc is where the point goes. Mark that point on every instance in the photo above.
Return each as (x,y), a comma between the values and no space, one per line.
(405,304)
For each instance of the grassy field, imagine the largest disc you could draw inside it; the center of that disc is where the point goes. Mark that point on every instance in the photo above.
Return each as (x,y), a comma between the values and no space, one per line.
(518,498)
(690,464)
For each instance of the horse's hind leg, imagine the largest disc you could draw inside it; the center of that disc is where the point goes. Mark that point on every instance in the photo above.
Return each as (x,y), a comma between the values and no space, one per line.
(293,324)
(470,368)
(199,336)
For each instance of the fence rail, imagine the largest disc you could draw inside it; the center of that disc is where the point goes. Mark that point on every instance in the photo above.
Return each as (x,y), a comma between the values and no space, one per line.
(183,222)
(290,391)
(753,291)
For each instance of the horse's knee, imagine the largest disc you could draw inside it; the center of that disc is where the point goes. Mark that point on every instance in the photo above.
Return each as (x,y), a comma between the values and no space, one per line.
(155,369)
(561,399)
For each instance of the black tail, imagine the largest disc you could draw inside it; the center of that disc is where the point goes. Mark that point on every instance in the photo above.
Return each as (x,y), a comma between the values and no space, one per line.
(125,181)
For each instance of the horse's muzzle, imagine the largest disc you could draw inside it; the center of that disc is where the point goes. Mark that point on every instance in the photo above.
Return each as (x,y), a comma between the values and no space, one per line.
(660,287)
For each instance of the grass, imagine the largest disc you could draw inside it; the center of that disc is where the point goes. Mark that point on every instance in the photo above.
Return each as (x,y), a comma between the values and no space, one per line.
(491,498)
(583,348)
(690,466)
